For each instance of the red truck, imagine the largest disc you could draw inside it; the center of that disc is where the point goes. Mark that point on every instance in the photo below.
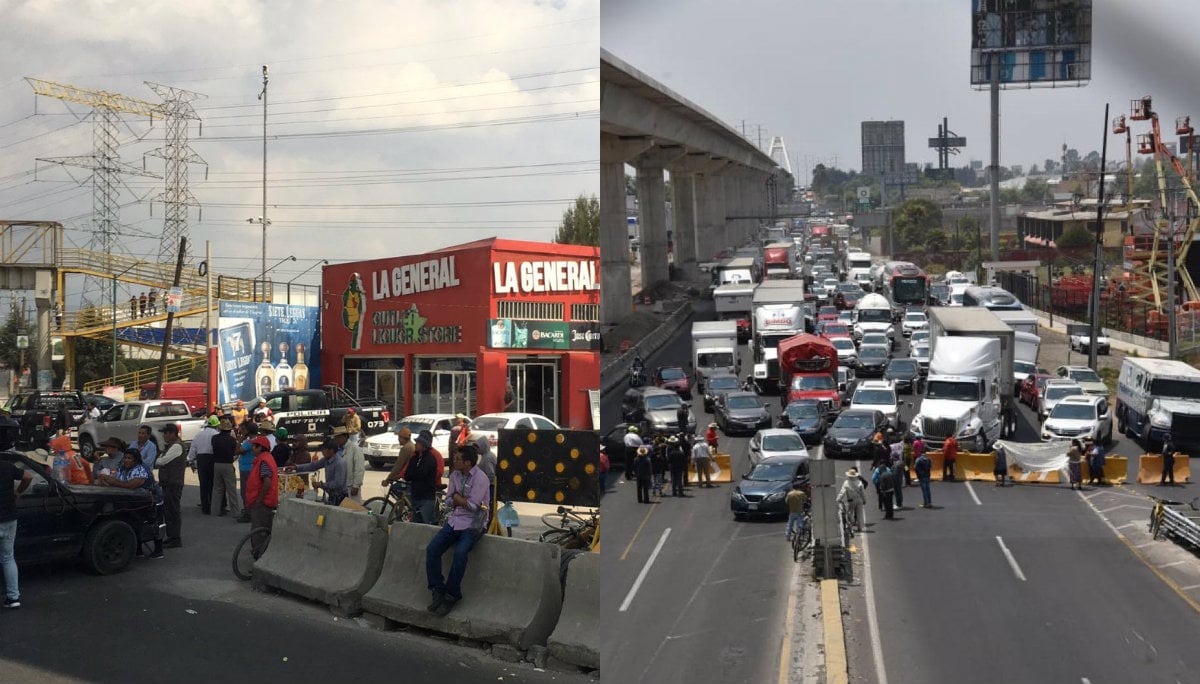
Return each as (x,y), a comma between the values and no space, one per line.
(777,261)
(808,364)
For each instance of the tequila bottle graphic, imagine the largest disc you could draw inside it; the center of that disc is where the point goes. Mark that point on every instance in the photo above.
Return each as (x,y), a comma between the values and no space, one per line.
(283,371)
(264,378)
(300,370)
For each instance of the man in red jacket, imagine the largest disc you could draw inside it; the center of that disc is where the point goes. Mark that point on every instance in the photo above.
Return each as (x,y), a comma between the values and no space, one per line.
(262,490)
(949,456)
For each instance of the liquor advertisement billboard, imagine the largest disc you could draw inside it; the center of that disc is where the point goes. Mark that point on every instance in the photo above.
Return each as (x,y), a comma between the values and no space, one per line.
(265,347)
(511,333)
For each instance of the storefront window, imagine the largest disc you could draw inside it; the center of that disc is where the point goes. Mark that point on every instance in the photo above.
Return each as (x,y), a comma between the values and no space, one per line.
(445,385)
(534,382)
(381,379)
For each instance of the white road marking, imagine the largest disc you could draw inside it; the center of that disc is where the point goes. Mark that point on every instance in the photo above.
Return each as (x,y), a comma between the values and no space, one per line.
(1110,510)
(637,584)
(1142,546)
(1168,565)
(973,495)
(1084,680)
(1012,561)
(1128,524)
(1190,587)
(872,622)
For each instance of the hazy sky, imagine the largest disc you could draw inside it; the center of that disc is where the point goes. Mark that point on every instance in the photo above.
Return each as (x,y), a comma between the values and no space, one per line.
(394,127)
(812,70)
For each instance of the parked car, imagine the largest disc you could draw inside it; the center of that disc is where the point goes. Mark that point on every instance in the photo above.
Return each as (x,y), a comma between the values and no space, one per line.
(850,435)
(1031,388)
(1054,392)
(37,412)
(315,413)
(490,424)
(718,384)
(382,450)
(123,420)
(905,375)
(736,412)
(763,490)
(772,442)
(1083,343)
(1079,417)
(673,378)
(99,526)
(806,417)
(1085,377)
(654,410)
(878,395)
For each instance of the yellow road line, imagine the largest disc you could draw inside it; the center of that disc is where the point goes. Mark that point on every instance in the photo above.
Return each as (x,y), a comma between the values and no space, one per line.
(639,531)
(836,667)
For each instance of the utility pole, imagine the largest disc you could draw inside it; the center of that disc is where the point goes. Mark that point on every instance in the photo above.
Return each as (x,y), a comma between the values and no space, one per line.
(1098,263)
(162,359)
(995,167)
(263,96)
(1172,333)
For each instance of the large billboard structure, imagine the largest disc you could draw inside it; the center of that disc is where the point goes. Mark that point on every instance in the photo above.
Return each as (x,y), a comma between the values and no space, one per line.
(267,347)
(882,148)
(1032,43)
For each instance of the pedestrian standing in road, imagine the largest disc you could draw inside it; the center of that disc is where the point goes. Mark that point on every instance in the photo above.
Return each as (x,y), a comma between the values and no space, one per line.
(422,477)
(949,458)
(171,469)
(1168,461)
(262,489)
(245,433)
(853,498)
(677,463)
(1000,466)
(152,302)
(1096,463)
(282,451)
(681,418)
(898,478)
(642,471)
(633,442)
(797,503)
(225,491)
(710,436)
(923,467)
(887,487)
(603,470)
(1075,464)
(200,454)
(658,466)
(142,305)
(906,454)
(702,461)
(876,476)
(9,474)
(880,452)
(147,446)
(355,462)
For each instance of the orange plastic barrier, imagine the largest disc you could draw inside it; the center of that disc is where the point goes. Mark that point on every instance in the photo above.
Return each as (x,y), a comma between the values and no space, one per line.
(974,466)
(1150,468)
(935,472)
(1116,469)
(724,473)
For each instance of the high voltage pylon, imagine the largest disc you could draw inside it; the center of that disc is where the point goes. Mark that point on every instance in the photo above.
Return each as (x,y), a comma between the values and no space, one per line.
(178,111)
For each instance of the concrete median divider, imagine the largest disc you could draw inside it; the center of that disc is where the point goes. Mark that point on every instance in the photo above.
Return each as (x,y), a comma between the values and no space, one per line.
(974,466)
(512,590)
(723,474)
(574,640)
(1150,468)
(324,553)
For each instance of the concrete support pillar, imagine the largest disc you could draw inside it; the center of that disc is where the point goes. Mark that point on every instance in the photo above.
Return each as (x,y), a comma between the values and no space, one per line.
(710,215)
(616,292)
(683,204)
(652,212)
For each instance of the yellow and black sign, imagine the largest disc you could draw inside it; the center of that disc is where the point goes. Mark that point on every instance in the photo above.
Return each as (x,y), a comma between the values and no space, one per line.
(557,467)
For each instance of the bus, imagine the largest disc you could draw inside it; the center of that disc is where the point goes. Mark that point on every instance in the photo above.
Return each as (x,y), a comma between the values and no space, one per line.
(905,284)
(993,298)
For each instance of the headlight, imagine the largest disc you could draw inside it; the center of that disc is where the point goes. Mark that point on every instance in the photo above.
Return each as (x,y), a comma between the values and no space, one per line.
(1045,435)
(969,431)
(1160,420)
(737,495)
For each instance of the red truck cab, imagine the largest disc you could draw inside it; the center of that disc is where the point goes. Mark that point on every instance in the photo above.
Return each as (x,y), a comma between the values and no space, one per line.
(808,364)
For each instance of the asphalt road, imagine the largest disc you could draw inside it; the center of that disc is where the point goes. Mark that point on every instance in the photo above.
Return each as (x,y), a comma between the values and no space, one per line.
(185,618)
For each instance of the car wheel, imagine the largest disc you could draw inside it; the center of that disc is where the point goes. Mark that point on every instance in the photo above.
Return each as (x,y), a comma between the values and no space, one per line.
(86,447)
(109,547)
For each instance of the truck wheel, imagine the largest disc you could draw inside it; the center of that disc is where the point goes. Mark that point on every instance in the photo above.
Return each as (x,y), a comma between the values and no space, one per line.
(1121,423)
(980,443)
(86,447)
(109,547)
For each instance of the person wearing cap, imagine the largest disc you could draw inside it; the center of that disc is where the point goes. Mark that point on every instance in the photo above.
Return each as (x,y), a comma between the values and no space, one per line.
(134,475)
(356,463)
(200,454)
(853,498)
(225,491)
(353,424)
(262,490)
(244,434)
(423,479)
(335,472)
(108,459)
(266,429)
(710,436)
(677,464)
(643,471)
(702,460)
(171,468)
(281,451)
(404,438)
(239,414)
(633,441)
(658,466)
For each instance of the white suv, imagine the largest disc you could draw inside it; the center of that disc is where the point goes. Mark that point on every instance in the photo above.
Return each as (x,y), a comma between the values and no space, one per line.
(914,321)
(878,395)
(1054,392)
(1079,417)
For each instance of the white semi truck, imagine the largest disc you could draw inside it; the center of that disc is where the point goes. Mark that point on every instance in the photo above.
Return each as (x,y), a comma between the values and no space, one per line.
(714,350)
(873,313)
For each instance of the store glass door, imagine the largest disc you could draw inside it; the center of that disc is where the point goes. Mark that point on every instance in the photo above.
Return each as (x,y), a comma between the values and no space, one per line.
(535,385)
(442,391)
(384,385)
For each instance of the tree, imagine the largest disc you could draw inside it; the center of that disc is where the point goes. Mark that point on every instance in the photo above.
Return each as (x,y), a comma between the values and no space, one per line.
(581,223)
(1075,237)
(1050,165)
(1034,191)
(914,219)
(936,241)
(17,324)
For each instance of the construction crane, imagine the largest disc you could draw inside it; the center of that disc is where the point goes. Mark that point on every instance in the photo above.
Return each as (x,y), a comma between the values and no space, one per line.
(1148,281)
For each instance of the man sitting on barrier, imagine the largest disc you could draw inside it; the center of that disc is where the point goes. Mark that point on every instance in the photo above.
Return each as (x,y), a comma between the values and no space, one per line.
(468,521)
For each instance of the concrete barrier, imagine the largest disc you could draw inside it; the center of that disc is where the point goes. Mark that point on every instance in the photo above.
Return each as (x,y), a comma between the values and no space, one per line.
(323,553)
(574,639)
(512,591)
(724,474)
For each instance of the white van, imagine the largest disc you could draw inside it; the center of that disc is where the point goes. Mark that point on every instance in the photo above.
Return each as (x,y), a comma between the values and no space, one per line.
(1157,398)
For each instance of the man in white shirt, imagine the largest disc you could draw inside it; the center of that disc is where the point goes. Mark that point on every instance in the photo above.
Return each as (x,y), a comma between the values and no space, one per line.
(93,412)
(200,456)
(702,457)
(355,463)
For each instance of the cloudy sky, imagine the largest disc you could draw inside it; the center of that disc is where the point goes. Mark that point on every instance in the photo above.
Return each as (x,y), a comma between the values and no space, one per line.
(811,70)
(394,127)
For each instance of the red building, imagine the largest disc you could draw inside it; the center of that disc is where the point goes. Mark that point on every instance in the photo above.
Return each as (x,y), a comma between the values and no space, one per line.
(469,328)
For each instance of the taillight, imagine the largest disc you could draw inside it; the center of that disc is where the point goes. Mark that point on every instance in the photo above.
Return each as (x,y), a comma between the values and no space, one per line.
(46,421)
(387,417)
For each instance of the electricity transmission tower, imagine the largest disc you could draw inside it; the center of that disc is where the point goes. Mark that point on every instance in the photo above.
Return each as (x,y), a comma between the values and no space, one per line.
(178,110)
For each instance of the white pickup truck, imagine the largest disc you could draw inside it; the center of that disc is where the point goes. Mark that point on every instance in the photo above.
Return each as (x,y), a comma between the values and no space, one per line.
(123,420)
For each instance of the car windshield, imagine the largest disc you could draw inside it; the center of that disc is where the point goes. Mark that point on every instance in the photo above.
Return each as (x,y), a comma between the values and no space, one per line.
(920,350)
(673,374)
(854,420)
(769,471)
(1073,411)
(783,442)
(950,390)
(417,425)
(875,316)
(724,382)
(875,397)
(813,382)
(1056,393)
(659,402)
(914,318)
(1088,375)
(842,343)
(489,423)
(800,411)
(744,402)
(919,335)
(1024,367)
(1179,389)
(902,367)
(872,352)
(874,338)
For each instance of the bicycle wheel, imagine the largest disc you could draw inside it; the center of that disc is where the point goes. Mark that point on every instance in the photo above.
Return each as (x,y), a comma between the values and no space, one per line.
(555,521)
(797,547)
(1156,517)
(382,507)
(244,556)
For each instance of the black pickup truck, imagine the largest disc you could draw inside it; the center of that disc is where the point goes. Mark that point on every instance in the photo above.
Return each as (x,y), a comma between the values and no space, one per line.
(37,413)
(316,412)
(95,524)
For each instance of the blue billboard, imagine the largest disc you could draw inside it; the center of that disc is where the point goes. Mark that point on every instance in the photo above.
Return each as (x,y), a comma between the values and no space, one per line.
(266,347)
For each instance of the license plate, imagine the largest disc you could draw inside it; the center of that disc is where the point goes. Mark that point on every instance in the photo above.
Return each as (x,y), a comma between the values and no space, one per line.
(753,507)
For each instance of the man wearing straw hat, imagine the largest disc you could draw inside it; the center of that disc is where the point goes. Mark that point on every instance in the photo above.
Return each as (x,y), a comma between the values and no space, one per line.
(853,497)
(225,477)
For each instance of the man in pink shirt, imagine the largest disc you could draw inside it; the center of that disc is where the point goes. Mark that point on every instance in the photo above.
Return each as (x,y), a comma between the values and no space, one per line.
(468,521)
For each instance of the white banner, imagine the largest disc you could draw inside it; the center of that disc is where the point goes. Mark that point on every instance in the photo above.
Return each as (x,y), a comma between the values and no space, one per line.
(1037,457)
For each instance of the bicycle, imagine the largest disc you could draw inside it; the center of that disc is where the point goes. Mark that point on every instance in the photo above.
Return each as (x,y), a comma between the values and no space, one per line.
(397,504)
(244,555)
(569,529)
(802,539)
(845,517)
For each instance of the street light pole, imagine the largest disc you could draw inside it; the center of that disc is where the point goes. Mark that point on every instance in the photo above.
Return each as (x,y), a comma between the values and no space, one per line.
(263,96)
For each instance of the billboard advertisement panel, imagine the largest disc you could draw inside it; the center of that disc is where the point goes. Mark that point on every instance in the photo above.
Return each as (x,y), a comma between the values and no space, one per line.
(265,347)
(1031,42)
(511,333)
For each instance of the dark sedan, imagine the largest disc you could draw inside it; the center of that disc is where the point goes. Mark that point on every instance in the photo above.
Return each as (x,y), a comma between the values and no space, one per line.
(850,435)
(675,379)
(872,361)
(905,374)
(763,490)
(718,384)
(744,412)
(808,417)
